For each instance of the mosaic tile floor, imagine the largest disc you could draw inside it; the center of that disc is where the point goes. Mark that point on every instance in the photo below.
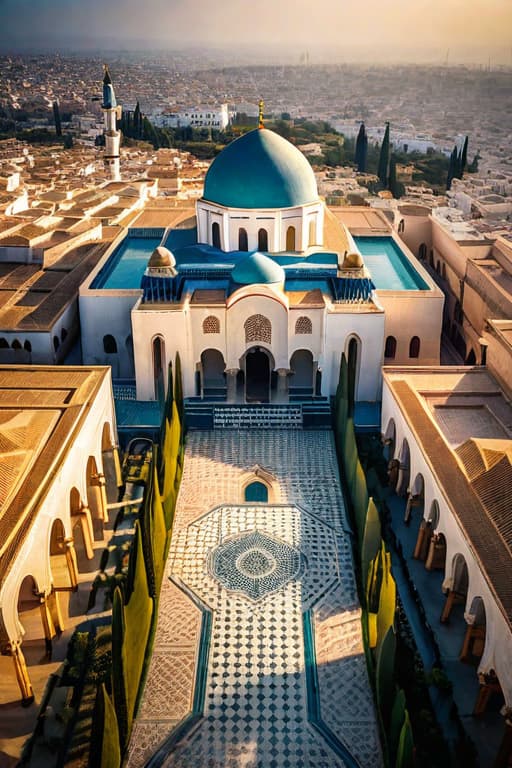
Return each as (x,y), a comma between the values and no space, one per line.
(257,571)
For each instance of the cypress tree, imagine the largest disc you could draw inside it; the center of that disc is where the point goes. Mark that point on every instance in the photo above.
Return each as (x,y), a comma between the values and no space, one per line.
(396,187)
(452,168)
(137,122)
(383,167)
(464,157)
(56,117)
(361,149)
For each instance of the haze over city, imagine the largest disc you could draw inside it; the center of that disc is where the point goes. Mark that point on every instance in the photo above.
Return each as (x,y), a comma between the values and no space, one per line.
(473,31)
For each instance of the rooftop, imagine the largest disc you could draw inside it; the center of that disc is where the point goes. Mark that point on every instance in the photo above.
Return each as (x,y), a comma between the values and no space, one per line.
(40,410)
(463,425)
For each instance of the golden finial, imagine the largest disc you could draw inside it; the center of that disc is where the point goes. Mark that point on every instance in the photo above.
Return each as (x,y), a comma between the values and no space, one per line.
(260,118)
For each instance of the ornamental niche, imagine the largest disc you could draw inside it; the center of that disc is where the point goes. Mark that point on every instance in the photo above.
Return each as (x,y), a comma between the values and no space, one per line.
(211,324)
(258,328)
(303,325)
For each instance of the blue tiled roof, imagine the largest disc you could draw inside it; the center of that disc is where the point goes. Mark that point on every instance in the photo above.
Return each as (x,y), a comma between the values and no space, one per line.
(260,170)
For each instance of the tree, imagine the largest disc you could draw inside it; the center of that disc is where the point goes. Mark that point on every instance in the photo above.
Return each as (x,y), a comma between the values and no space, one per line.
(361,149)
(137,122)
(452,168)
(383,168)
(463,157)
(56,117)
(396,187)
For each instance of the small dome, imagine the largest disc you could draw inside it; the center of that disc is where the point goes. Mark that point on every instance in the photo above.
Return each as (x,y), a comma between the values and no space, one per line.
(257,268)
(353,260)
(260,170)
(161,257)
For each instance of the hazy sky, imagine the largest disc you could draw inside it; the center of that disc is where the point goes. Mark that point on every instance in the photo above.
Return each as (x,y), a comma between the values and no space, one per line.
(383,30)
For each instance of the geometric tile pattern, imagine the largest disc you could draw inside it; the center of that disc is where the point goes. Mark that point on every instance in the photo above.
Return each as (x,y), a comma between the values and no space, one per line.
(255,695)
(254,564)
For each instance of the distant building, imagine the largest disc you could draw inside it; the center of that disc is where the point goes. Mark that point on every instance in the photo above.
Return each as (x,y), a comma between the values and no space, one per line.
(196,117)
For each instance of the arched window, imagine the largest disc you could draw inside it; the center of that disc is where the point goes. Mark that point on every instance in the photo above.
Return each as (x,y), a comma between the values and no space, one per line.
(262,240)
(211,324)
(312,233)
(258,328)
(109,345)
(401,226)
(303,325)
(4,344)
(290,239)
(158,367)
(390,349)
(28,346)
(243,243)
(422,251)
(16,344)
(256,492)
(414,347)
(216,235)
(56,343)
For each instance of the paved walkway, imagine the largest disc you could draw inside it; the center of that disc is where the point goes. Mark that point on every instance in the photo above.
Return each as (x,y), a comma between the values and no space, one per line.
(259,626)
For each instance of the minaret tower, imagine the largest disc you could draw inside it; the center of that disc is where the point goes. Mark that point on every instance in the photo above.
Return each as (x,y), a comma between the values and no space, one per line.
(111,111)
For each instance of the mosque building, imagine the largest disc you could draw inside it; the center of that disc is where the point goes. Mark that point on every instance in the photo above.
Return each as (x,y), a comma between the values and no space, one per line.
(261,291)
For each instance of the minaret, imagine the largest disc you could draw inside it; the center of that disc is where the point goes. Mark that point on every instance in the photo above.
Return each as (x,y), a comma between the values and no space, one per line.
(111,112)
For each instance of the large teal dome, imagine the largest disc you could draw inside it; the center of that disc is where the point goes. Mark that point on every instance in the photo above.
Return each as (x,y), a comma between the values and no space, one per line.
(257,268)
(260,170)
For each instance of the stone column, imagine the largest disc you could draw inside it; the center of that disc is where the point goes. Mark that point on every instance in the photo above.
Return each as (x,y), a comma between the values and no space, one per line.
(103,495)
(48,625)
(72,563)
(87,530)
(117,466)
(282,384)
(20,667)
(231,374)
(55,611)
(423,540)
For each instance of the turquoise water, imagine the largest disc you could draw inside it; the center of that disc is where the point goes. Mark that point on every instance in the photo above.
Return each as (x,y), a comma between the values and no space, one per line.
(126,265)
(388,266)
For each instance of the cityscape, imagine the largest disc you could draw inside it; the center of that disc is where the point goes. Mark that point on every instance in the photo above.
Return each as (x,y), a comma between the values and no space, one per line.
(255,385)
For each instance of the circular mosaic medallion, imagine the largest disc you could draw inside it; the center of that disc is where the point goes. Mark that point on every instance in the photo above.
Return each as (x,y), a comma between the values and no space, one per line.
(255,564)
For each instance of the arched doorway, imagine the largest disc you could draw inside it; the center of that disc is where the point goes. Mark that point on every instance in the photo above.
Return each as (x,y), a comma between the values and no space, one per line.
(213,376)
(63,562)
(262,240)
(257,376)
(290,239)
(301,380)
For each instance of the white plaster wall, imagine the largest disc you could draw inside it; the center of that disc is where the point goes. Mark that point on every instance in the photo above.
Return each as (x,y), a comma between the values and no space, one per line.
(368,327)
(241,307)
(275,221)
(33,558)
(174,328)
(97,319)
(414,313)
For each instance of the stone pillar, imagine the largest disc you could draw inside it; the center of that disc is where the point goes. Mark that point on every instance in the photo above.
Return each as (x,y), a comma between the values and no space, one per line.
(504,756)
(72,563)
(436,554)
(117,466)
(449,603)
(103,495)
(95,504)
(474,639)
(55,611)
(231,374)
(282,384)
(87,530)
(48,625)
(423,540)
(20,667)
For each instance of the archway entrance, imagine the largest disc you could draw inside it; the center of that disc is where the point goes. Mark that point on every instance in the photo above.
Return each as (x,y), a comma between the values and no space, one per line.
(257,376)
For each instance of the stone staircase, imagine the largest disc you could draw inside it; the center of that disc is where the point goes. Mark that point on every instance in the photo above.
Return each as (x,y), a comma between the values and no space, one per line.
(311,414)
